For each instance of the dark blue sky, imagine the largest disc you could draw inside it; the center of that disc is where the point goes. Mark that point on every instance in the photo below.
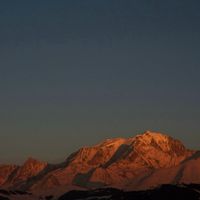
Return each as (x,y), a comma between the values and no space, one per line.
(74,72)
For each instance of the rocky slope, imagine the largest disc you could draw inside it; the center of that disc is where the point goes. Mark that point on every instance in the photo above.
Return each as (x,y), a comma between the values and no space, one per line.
(139,155)
(5,172)
(186,172)
(140,162)
(16,175)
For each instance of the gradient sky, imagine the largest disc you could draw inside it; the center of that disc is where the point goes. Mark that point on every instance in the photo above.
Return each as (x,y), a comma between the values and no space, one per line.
(74,72)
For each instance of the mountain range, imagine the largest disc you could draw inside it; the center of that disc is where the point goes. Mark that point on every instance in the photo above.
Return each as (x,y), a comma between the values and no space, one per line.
(142,162)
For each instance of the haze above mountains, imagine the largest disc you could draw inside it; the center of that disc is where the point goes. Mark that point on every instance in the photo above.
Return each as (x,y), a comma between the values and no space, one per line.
(136,163)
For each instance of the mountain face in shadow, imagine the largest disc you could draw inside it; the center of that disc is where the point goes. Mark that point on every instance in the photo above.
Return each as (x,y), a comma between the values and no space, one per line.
(145,161)
(165,192)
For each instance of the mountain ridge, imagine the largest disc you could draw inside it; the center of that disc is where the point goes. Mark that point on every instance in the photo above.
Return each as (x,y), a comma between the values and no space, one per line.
(140,162)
